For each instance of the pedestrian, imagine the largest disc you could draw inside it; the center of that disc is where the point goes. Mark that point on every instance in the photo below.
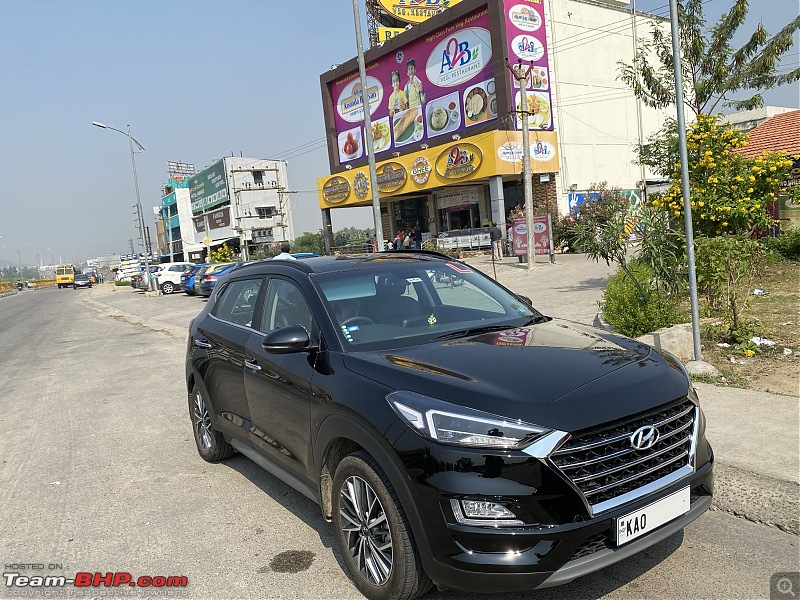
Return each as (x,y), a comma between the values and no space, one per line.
(417,238)
(407,241)
(497,241)
(368,244)
(284,255)
(398,240)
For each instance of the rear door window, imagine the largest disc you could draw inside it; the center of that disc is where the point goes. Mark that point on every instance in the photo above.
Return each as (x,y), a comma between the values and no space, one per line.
(238,302)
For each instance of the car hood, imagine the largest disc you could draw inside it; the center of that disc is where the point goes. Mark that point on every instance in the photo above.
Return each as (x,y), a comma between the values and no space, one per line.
(556,374)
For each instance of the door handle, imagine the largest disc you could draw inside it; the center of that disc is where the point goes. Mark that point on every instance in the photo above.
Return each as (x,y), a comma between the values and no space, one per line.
(251,364)
(202,343)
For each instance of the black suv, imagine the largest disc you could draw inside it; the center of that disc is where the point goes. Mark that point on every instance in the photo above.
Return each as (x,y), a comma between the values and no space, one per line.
(451,433)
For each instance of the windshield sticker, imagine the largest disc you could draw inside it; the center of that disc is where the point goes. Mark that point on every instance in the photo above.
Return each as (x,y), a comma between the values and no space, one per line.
(432,319)
(459,268)
(414,280)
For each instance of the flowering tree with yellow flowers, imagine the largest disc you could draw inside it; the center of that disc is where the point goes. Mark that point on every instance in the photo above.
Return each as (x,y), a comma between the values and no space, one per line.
(730,193)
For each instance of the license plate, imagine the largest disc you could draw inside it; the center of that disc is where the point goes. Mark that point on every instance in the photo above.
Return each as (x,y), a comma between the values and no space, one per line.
(652,516)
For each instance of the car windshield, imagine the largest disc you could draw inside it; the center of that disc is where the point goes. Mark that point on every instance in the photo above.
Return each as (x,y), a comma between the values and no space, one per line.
(390,304)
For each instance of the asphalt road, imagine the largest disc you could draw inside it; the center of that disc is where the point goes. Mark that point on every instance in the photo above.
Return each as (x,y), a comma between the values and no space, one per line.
(99,472)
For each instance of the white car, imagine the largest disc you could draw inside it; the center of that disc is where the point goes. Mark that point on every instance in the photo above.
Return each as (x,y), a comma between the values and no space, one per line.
(168,276)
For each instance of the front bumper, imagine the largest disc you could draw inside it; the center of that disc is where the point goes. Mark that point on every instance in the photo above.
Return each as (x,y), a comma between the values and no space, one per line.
(566,543)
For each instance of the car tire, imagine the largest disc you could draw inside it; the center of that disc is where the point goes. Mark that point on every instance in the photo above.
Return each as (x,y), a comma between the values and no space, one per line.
(74,287)
(378,571)
(167,287)
(211,445)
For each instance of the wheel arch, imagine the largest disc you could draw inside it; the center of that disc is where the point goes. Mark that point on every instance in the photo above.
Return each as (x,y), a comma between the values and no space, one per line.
(340,436)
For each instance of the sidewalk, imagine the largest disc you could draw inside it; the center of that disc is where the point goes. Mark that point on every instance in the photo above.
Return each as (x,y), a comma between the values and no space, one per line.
(755,435)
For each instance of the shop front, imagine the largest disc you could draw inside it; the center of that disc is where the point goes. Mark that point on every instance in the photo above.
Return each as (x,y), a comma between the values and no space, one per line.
(452,192)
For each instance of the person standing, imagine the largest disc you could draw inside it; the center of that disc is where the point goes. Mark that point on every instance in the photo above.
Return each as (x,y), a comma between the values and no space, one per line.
(414,91)
(398,101)
(284,255)
(417,238)
(496,237)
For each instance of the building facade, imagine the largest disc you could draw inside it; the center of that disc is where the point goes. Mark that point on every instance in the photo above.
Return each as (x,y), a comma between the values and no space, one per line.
(585,124)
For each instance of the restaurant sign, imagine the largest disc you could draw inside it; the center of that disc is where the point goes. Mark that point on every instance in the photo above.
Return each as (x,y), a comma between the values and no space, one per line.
(336,190)
(415,11)
(391,176)
(459,161)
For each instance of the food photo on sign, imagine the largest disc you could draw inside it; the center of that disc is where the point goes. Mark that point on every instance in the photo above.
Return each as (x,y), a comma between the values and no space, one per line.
(434,85)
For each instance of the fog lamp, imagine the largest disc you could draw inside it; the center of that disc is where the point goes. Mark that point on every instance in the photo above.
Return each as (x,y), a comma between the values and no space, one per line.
(482,512)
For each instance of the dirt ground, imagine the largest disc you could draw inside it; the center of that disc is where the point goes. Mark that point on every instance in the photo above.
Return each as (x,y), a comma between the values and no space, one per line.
(775,368)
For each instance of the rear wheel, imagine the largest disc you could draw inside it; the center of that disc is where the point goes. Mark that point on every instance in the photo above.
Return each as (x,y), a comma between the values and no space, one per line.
(167,287)
(211,445)
(373,532)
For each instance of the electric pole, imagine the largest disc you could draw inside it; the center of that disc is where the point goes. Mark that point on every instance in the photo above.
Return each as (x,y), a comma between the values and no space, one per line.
(522,78)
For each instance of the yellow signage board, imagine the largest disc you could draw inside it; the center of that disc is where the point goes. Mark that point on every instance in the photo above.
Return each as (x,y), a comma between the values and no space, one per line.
(387,33)
(470,159)
(415,11)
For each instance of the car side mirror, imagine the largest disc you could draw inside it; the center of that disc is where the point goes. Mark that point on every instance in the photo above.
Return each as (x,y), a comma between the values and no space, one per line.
(288,340)
(526,300)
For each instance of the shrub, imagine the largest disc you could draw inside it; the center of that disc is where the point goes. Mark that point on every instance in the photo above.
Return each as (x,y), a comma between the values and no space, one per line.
(786,244)
(221,254)
(726,270)
(625,309)
(123,283)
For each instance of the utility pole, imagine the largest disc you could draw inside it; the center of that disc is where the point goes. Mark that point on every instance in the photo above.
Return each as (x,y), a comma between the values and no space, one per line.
(687,204)
(526,155)
(365,103)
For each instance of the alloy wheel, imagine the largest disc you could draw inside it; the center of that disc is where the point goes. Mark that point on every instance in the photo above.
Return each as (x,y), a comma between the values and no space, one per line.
(202,421)
(366,530)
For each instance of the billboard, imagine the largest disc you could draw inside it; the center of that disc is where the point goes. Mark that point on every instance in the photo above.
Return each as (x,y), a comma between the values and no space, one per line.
(179,171)
(443,79)
(209,188)
(435,86)
(526,41)
(415,11)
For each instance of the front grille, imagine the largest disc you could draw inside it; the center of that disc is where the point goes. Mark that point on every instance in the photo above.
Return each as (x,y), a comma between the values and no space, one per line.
(604,465)
(590,546)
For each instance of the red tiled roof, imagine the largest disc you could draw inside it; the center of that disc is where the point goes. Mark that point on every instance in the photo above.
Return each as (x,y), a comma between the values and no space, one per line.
(781,132)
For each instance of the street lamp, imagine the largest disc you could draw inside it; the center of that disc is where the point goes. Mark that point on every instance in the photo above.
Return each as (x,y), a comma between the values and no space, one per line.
(131,141)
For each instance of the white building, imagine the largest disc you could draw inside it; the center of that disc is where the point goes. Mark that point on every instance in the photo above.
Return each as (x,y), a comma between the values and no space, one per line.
(599,121)
(243,202)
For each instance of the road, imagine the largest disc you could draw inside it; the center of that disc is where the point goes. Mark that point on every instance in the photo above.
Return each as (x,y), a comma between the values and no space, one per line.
(100,473)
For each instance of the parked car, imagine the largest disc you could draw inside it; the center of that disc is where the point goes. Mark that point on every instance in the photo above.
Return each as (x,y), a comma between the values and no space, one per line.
(452,434)
(210,277)
(168,276)
(187,278)
(81,281)
(138,281)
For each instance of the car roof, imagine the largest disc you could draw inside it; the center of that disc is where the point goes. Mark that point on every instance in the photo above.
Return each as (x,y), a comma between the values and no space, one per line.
(329,264)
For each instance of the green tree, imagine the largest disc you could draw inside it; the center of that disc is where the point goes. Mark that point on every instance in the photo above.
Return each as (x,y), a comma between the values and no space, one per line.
(309,242)
(351,236)
(730,193)
(713,69)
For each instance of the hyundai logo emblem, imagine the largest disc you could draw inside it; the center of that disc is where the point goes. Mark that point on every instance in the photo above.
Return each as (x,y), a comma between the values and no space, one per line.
(644,437)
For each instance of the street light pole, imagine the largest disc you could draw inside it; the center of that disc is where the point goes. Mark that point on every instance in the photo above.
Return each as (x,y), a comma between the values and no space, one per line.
(522,78)
(131,141)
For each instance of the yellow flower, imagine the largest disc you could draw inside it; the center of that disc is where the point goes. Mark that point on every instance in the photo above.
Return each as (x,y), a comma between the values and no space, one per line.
(701,203)
(748,352)
(752,179)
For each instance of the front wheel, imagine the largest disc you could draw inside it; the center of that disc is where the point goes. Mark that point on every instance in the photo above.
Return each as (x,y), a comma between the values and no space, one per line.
(211,445)
(373,532)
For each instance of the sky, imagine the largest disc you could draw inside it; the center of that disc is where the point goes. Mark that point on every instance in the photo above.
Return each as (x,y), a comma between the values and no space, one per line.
(196,80)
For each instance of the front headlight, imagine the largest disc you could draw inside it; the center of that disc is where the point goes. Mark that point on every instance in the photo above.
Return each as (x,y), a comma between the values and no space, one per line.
(461,426)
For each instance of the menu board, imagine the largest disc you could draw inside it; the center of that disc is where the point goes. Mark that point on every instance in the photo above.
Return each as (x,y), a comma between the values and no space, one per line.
(526,39)
(437,85)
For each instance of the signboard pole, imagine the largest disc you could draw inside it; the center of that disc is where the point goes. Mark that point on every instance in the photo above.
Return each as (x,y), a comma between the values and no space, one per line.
(522,77)
(365,103)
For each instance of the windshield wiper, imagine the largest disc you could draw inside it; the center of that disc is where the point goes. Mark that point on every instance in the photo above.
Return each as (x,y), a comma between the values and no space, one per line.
(488,328)
(471,331)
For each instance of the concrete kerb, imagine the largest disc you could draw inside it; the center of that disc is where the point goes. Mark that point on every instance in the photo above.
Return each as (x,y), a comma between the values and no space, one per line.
(755,435)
